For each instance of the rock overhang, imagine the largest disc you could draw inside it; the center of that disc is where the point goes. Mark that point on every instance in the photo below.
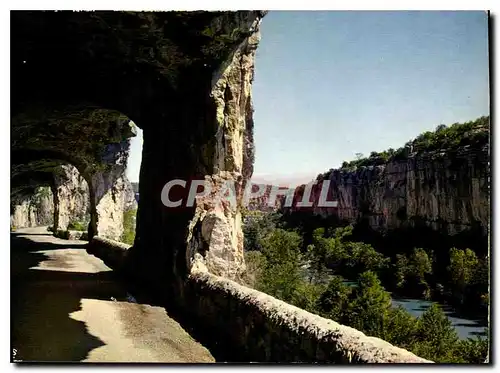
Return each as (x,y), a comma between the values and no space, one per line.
(78,77)
(119,60)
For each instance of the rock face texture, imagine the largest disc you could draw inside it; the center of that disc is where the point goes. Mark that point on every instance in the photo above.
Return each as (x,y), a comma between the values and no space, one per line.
(111,193)
(263,201)
(446,191)
(117,199)
(78,81)
(71,200)
(22,216)
(210,117)
(68,200)
(221,232)
(34,210)
(183,77)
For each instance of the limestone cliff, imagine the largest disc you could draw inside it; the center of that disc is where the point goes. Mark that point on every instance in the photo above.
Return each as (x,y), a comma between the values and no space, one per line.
(185,80)
(68,200)
(71,197)
(215,233)
(112,192)
(447,190)
(261,201)
(117,199)
(34,210)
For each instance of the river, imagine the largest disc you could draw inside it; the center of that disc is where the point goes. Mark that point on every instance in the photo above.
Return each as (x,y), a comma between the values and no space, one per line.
(465,327)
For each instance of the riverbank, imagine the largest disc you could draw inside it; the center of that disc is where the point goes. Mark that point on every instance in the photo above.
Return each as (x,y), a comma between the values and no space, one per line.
(467,325)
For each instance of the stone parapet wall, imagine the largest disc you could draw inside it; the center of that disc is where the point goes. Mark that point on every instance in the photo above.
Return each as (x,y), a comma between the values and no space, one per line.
(71,235)
(253,326)
(262,328)
(112,253)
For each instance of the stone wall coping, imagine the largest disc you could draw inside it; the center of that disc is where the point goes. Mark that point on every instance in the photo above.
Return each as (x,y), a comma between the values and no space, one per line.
(356,345)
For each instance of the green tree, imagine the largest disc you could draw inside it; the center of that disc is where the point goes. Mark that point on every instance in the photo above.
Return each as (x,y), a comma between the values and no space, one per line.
(420,266)
(402,268)
(128,235)
(363,257)
(76,225)
(256,225)
(277,270)
(421,263)
(40,193)
(473,351)
(306,296)
(440,128)
(334,300)
(410,273)
(255,263)
(474,133)
(463,265)
(370,305)
(400,328)
(324,252)
(282,273)
(480,282)
(437,338)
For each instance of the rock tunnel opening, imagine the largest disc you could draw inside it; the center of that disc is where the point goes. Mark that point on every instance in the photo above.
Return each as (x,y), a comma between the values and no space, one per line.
(80,82)
(31,207)
(80,152)
(191,97)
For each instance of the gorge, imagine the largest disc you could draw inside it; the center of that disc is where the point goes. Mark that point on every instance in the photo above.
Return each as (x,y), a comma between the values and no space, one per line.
(410,209)
(81,83)
(438,182)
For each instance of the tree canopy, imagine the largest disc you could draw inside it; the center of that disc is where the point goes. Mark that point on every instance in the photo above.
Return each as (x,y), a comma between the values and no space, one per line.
(474,134)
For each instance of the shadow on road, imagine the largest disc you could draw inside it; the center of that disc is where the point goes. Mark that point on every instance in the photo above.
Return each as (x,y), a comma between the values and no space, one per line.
(21,243)
(17,234)
(42,300)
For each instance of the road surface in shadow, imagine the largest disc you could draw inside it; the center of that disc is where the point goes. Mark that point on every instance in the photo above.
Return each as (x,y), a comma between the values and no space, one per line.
(67,306)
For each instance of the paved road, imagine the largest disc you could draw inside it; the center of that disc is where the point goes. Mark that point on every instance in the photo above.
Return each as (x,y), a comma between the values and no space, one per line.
(67,306)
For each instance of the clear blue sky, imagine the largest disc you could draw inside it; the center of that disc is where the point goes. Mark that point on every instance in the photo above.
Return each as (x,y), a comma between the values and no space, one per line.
(331,84)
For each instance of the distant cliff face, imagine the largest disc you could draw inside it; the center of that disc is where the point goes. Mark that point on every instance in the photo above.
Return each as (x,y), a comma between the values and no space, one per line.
(72,197)
(69,201)
(35,210)
(263,202)
(113,203)
(447,191)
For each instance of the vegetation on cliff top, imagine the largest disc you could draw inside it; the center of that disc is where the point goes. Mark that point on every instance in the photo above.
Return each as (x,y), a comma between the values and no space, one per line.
(444,138)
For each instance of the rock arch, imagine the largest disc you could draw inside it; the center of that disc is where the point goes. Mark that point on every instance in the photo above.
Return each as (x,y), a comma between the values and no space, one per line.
(78,145)
(184,78)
